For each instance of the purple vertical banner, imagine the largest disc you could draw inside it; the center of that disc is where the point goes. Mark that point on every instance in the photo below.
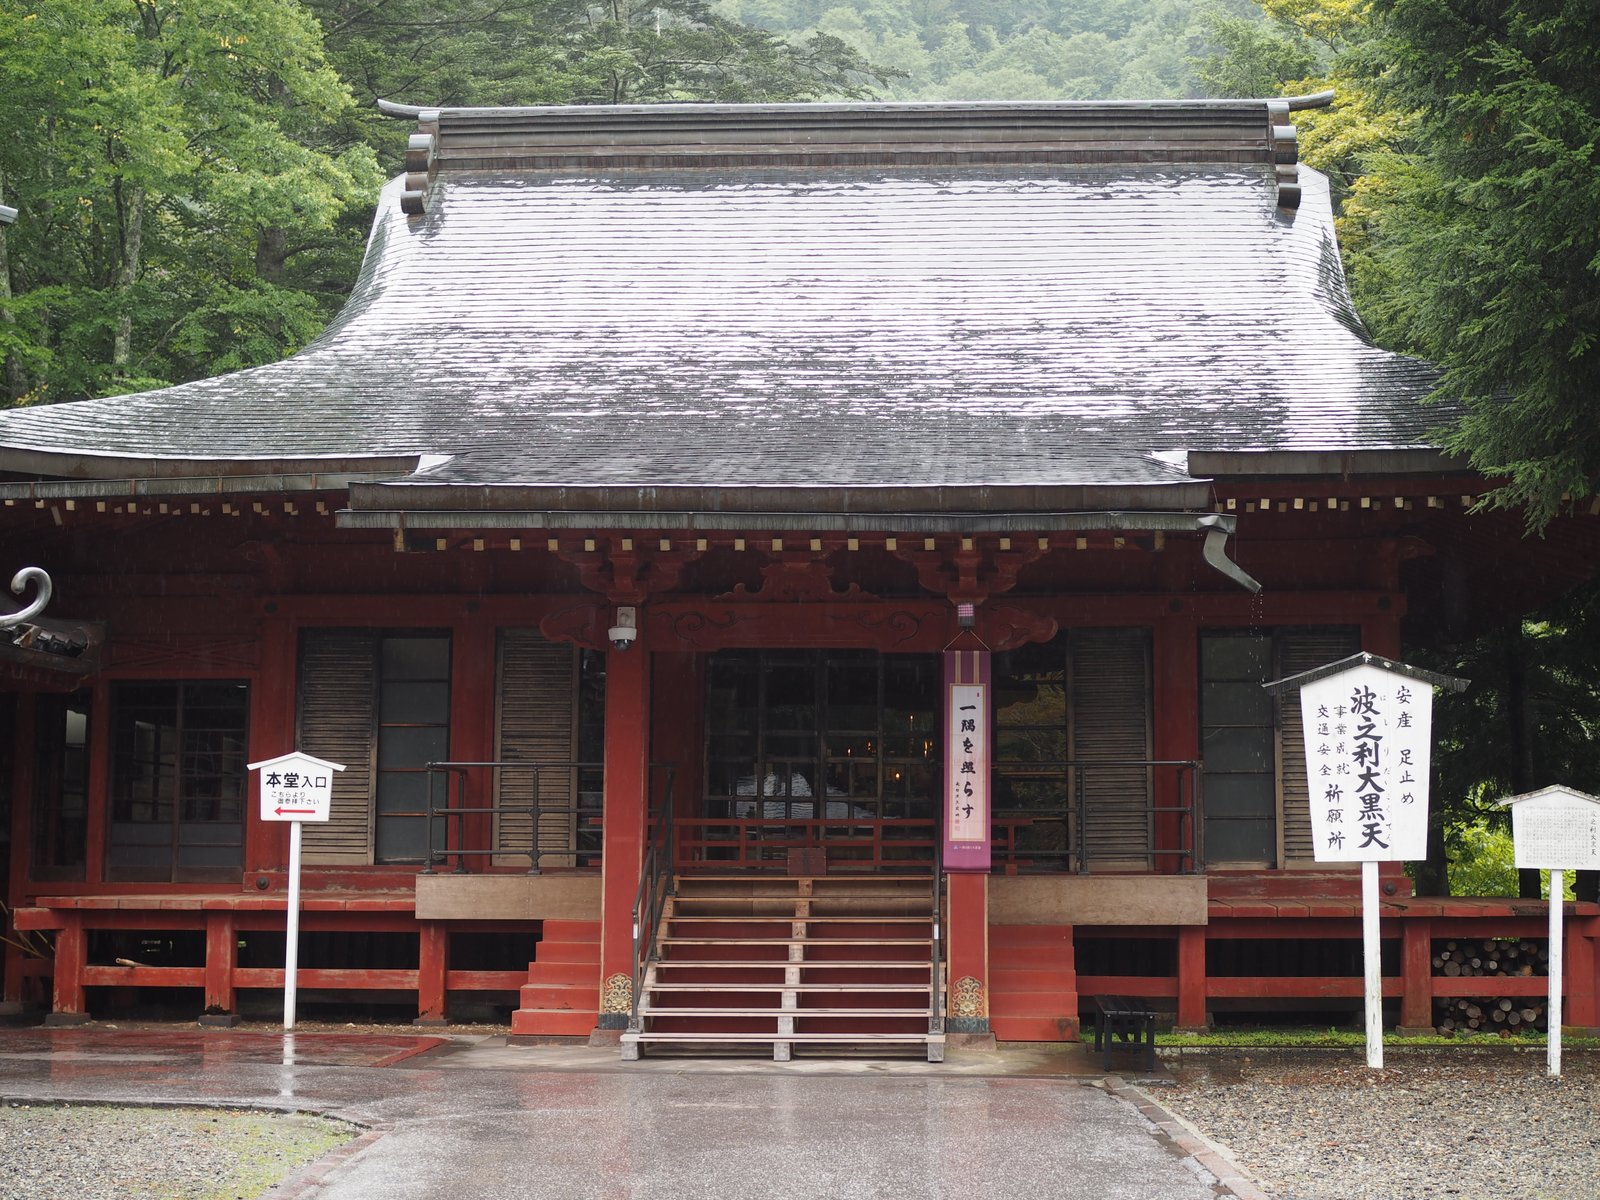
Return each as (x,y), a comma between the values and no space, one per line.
(966,828)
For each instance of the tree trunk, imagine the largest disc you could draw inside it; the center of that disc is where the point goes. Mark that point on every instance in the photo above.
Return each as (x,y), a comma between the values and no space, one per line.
(127,276)
(272,251)
(1433,873)
(1520,727)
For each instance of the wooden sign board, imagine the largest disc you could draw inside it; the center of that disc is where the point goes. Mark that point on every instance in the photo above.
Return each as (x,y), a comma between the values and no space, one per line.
(967,845)
(1556,829)
(1368,733)
(296,787)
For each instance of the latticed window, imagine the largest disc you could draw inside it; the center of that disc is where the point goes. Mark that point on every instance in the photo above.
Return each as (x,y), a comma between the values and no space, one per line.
(178,776)
(1256,809)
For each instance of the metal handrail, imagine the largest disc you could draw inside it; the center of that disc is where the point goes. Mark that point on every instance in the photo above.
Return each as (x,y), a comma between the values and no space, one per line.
(461,811)
(655,885)
(936,991)
(1072,773)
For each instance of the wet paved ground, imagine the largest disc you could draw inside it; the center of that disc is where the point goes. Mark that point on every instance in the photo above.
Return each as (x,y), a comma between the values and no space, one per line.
(457,1117)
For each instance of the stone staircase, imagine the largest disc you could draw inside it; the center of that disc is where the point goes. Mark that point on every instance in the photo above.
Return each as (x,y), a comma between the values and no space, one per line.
(836,962)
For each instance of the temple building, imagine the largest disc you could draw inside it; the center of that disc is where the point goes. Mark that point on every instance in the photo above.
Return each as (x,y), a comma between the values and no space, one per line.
(788,575)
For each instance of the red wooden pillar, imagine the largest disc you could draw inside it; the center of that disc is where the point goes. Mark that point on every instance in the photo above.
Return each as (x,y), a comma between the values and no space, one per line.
(1191,978)
(1416,976)
(222,940)
(967,936)
(97,814)
(272,732)
(1582,978)
(432,964)
(472,701)
(627,791)
(1176,733)
(677,729)
(22,786)
(72,955)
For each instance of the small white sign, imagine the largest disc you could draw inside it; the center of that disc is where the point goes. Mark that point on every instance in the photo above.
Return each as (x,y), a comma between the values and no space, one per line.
(1556,829)
(1368,732)
(296,787)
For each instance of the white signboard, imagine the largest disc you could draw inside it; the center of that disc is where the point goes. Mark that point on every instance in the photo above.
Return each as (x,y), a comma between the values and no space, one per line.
(296,787)
(1368,732)
(967,761)
(1556,829)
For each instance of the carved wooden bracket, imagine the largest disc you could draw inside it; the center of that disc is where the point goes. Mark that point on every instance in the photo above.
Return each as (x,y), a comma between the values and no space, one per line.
(969,576)
(796,578)
(629,576)
(1007,626)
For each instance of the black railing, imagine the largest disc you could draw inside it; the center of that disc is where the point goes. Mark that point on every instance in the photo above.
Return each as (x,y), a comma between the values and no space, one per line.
(936,1005)
(477,810)
(494,810)
(649,902)
(1072,815)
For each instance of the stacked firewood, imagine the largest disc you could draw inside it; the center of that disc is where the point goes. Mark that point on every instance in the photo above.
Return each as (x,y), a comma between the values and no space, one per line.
(1493,958)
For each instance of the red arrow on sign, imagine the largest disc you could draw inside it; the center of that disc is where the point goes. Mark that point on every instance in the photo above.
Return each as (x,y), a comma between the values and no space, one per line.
(307,811)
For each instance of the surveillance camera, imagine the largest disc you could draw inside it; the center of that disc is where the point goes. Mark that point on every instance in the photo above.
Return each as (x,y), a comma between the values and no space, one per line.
(626,630)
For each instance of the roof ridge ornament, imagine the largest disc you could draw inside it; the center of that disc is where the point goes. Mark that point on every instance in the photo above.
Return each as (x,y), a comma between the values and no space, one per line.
(1285,152)
(422,157)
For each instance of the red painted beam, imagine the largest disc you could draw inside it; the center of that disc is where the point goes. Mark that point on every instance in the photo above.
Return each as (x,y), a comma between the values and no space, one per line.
(1128,985)
(185,977)
(1493,985)
(485,981)
(1295,986)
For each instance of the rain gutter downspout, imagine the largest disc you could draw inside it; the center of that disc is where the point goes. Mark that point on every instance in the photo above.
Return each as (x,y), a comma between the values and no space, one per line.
(1215,550)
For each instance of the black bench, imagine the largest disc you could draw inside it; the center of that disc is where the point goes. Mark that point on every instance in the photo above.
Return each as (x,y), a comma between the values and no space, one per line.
(1129,1019)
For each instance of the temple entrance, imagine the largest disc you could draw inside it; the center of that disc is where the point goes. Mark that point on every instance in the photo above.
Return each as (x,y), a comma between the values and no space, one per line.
(818,760)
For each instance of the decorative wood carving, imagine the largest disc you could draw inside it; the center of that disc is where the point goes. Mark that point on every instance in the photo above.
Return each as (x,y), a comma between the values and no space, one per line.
(692,629)
(221,653)
(969,576)
(629,576)
(796,578)
(1007,626)
(581,624)
(897,626)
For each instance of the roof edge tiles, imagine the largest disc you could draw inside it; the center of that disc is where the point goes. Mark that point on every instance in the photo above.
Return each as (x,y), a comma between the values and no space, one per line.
(416,496)
(1091,521)
(81,464)
(685,136)
(1335,463)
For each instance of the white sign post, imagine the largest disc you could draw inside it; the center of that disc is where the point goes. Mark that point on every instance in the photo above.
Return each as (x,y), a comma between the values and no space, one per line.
(1368,726)
(295,788)
(1555,829)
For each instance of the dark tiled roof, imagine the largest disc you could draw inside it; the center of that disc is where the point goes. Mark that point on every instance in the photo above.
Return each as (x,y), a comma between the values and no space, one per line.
(930,322)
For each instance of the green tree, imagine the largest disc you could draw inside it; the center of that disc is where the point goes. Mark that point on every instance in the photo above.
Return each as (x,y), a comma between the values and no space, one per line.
(1252,58)
(157,149)
(1493,240)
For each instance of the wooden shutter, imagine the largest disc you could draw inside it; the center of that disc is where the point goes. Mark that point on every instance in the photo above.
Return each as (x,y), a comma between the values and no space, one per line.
(536,722)
(338,697)
(1110,719)
(1302,650)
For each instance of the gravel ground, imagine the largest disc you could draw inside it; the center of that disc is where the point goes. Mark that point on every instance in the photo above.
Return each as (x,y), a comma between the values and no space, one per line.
(98,1152)
(1459,1123)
